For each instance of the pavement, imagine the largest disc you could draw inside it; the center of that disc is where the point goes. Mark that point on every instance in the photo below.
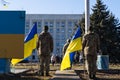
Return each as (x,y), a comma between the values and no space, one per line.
(65,75)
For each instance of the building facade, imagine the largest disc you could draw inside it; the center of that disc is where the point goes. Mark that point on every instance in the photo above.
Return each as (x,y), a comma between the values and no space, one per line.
(61,27)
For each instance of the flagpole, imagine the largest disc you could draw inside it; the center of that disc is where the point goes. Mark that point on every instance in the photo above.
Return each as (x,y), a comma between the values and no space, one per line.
(87,15)
(87,24)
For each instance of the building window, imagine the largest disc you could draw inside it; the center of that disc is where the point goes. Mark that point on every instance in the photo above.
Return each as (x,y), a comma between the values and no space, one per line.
(69,30)
(57,24)
(57,44)
(46,23)
(27,24)
(62,42)
(69,24)
(63,30)
(51,24)
(63,24)
(57,30)
(38,30)
(51,30)
(70,35)
(63,37)
(27,31)
(39,24)
(58,37)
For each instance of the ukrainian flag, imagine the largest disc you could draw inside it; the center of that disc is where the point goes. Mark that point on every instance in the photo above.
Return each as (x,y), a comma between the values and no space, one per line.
(29,44)
(75,45)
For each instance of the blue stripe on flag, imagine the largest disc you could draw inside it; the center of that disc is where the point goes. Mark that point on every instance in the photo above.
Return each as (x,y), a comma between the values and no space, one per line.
(32,32)
(77,34)
(72,57)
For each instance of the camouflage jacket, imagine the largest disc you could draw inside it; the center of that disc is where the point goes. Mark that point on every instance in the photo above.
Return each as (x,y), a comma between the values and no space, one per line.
(90,43)
(45,43)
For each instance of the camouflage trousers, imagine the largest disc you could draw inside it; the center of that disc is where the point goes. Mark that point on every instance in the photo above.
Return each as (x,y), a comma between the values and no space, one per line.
(44,64)
(91,64)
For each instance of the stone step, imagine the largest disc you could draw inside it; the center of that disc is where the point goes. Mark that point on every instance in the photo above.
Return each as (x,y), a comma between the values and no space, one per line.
(65,75)
(17,71)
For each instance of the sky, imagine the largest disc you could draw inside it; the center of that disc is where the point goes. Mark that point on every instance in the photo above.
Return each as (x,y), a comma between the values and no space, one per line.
(58,6)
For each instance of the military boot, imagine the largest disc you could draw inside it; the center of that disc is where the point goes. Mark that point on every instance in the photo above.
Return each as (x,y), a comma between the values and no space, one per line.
(90,76)
(94,76)
(47,74)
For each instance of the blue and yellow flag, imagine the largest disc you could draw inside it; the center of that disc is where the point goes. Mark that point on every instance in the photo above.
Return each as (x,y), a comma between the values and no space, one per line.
(75,45)
(29,44)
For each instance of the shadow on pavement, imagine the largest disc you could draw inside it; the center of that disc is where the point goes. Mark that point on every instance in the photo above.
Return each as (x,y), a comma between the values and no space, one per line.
(16,77)
(111,74)
(26,75)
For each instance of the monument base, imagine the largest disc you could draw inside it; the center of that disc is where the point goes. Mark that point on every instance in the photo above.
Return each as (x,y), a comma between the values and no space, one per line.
(4,65)
(102,62)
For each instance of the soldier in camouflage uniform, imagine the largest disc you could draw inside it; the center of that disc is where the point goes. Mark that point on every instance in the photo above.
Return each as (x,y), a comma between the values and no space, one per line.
(45,48)
(91,46)
(65,46)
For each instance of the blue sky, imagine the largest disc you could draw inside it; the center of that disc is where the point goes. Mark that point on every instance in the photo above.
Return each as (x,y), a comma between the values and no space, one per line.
(58,6)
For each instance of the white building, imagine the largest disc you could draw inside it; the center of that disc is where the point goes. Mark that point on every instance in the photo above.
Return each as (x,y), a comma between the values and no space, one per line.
(61,27)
